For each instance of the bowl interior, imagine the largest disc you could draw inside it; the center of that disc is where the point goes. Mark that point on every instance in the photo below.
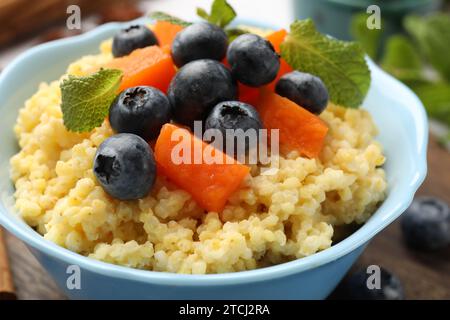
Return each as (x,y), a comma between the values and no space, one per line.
(397,112)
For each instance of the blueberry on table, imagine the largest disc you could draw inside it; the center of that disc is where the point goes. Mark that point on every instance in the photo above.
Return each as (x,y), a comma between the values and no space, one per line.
(426,224)
(358,286)
(253,60)
(131,38)
(125,166)
(304,89)
(197,87)
(201,40)
(140,110)
(235,115)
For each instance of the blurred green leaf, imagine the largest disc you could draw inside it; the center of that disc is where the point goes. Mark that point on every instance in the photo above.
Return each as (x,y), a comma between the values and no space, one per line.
(436,98)
(432,34)
(222,13)
(444,141)
(162,16)
(402,60)
(369,39)
(202,13)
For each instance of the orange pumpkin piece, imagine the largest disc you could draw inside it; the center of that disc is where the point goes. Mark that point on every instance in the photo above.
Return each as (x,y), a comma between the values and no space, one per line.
(165,33)
(276,38)
(210,184)
(299,129)
(149,66)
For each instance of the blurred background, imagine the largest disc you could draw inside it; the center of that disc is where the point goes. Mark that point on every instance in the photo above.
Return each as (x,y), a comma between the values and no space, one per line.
(413,45)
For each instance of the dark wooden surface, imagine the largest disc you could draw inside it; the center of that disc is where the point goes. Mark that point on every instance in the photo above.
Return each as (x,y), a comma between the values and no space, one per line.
(424,276)
(30,279)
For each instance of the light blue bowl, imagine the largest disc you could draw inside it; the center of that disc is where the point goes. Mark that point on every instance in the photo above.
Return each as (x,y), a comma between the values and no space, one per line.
(398,113)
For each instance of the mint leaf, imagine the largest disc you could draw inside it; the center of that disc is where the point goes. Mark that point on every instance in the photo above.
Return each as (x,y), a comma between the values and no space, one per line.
(202,14)
(85,101)
(370,39)
(432,35)
(222,13)
(341,65)
(402,60)
(436,98)
(162,16)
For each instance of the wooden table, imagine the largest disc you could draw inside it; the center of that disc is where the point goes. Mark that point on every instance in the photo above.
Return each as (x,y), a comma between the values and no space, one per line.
(424,276)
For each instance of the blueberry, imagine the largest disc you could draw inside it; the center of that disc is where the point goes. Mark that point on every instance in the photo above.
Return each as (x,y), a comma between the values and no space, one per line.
(355,286)
(253,60)
(125,167)
(132,38)
(305,90)
(140,110)
(426,224)
(197,87)
(200,40)
(235,115)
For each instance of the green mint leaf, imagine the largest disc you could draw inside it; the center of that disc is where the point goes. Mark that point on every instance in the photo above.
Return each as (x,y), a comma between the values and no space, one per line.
(432,34)
(369,39)
(85,101)
(162,16)
(341,65)
(233,33)
(222,13)
(436,99)
(203,14)
(402,60)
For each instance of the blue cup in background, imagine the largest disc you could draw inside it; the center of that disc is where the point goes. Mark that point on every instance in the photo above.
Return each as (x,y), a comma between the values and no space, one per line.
(333,17)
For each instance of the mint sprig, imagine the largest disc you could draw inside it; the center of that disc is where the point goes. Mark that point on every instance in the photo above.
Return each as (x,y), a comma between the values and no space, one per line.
(85,101)
(162,16)
(341,65)
(222,13)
